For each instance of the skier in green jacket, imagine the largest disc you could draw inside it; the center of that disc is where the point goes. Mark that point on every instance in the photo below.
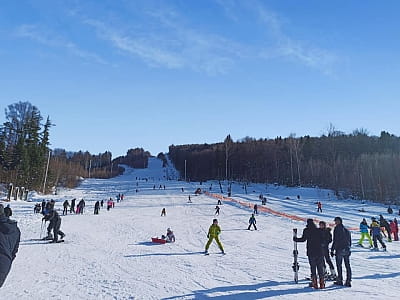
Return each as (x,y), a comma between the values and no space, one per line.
(213,233)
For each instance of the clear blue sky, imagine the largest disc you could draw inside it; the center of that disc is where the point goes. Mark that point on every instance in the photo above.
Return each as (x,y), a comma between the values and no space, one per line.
(114,75)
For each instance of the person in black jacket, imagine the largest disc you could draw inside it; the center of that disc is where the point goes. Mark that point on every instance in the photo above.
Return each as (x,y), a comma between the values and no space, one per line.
(326,240)
(341,247)
(313,236)
(385,224)
(72,207)
(55,224)
(96,207)
(7,211)
(9,242)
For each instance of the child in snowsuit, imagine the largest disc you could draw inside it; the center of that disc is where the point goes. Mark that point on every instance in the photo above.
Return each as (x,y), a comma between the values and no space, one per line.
(213,233)
(55,224)
(170,237)
(252,221)
(364,233)
(376,234)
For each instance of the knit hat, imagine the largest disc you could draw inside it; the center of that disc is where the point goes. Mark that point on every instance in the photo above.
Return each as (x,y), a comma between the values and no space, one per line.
(339,219)
(1,210)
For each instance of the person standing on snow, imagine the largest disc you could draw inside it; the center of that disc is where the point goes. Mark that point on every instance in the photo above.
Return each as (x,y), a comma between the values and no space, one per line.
(364,228)
(213,233)
(326,240)
(55,223)
(217,210)
(341,248)
(255,209)
(252,221)
(163,212)
(65,205)
(313,236)
(385,224)
(395,229)
(319,206)
(376,234)
(96,207)
(9,242)
(72,207)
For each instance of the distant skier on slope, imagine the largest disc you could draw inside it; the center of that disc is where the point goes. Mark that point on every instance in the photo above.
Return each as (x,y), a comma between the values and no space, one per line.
(313,236)
(213,233)
(252,221)
(319,206)
(163,212)
(217,210)
(72,207)
(255,209)
(96,207)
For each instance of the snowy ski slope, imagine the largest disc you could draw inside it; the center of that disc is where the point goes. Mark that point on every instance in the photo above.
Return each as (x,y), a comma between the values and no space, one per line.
(110,256)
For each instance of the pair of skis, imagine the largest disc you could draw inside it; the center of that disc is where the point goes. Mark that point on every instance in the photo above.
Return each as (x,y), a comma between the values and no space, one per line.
(295,265)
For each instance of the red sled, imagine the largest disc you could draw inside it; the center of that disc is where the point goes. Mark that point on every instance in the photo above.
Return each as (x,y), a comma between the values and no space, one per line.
(158,240)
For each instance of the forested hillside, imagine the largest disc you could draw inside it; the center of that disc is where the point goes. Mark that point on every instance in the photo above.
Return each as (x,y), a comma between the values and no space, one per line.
(356,164)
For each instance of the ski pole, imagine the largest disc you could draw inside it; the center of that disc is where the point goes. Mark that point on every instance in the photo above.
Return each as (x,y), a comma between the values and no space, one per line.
(41,230)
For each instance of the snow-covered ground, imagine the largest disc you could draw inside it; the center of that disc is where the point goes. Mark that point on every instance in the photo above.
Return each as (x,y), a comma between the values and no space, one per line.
(110,256)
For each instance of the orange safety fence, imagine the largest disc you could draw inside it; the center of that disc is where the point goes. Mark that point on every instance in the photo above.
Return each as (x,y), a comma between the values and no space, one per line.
(268,210)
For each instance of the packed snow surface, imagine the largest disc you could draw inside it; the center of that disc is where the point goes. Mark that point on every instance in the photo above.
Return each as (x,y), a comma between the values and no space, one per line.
(110,255)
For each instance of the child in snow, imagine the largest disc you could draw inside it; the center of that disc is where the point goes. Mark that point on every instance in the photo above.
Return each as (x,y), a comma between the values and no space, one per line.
(252,221)
(364,233)
(170,237)
(163,212)
(376,234)
(319,205)
(213,233)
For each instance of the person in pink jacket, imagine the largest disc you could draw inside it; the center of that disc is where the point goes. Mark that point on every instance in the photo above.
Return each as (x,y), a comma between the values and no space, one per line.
(394,229)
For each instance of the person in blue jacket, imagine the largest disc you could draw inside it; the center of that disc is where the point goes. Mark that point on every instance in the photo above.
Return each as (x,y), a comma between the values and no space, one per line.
(364,228)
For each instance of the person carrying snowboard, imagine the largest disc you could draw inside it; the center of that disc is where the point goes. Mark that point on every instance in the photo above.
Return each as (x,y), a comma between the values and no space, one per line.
(364,228)
(326,240)
(213,233)
(252,221)
(313,236)
(341,248)
(376,234)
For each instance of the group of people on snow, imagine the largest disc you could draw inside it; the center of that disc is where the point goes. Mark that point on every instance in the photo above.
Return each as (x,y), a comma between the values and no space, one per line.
(318,240)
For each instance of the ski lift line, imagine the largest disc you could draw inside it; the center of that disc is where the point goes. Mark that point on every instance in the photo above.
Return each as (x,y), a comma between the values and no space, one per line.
(269,210)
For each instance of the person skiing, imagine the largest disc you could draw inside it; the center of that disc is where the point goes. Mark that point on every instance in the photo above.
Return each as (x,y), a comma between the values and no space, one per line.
(10,236)
(364,228)
(219,202)
(7,211)
(313,236)
(252,221)
(217,210)
(55,223)
(376,234)
(169,237)
(326,240)
(213,233)
(72,207)
(163,212)
(255,209)
(96,207)
(319,206)
(65,205)
(385,224)
(341,248)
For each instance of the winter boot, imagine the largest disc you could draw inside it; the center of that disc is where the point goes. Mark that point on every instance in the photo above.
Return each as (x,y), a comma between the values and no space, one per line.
(322,283)
(314,283)
(348,283)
